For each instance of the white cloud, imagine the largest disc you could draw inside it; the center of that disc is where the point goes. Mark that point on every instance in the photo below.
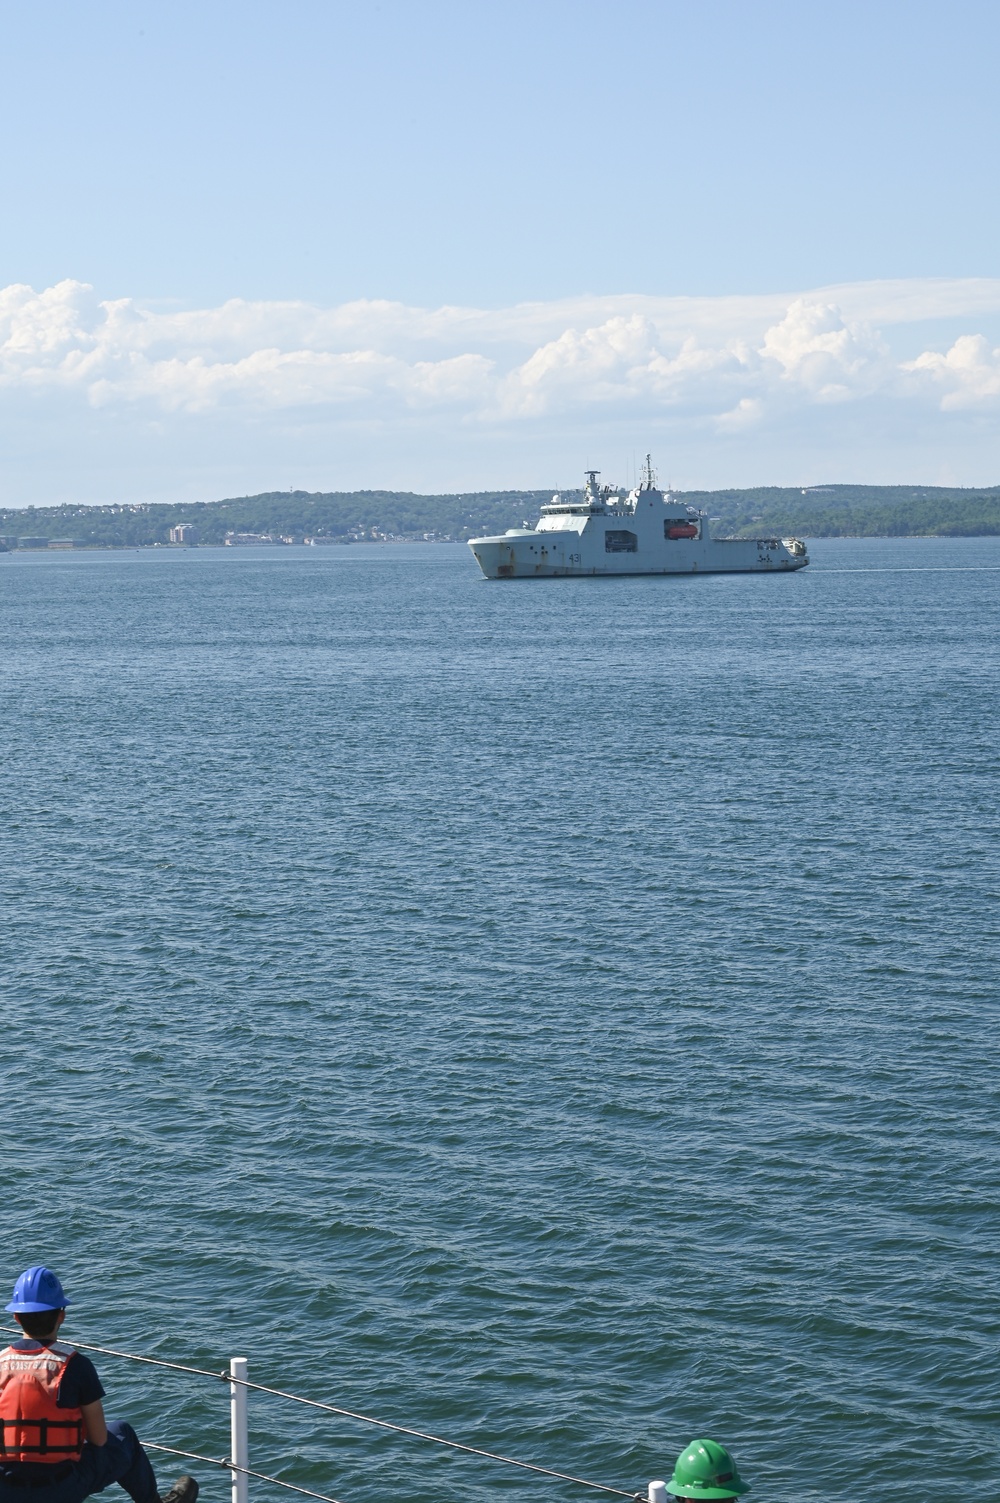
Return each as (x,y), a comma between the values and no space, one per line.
(513,363)
(747,411)
(967,374)
(740,368)
(827,357)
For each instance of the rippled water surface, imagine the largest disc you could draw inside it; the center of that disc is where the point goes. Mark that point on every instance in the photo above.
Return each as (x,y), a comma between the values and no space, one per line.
(559,1015)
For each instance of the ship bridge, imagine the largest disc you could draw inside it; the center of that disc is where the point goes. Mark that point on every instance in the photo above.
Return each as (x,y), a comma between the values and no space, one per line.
(597,501)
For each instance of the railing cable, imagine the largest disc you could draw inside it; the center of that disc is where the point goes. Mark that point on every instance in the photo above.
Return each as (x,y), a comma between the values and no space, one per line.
(367,1419)
(455,1445)
(109,1351)
(292,1487)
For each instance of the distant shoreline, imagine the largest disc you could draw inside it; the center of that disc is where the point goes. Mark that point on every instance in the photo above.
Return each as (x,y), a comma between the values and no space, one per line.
(340,518)
(256,548)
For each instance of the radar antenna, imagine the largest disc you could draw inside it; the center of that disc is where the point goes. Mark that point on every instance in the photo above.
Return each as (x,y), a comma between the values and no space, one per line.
(648,474)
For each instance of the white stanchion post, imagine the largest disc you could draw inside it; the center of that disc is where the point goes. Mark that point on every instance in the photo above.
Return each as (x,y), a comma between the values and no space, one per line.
(239,1441)
(657,1492)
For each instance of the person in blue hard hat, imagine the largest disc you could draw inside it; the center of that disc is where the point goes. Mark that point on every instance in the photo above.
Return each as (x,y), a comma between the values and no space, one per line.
(55,1446)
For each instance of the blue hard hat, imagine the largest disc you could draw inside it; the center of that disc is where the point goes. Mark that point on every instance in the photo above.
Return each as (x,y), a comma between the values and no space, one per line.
(37,1289)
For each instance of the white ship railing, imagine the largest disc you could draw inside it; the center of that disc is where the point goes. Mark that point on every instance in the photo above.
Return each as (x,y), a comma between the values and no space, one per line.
(238,1462)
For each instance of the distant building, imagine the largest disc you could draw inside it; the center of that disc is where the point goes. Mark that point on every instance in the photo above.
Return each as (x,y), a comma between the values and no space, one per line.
(246,539)
(63,543)
(184,532)
(32,542)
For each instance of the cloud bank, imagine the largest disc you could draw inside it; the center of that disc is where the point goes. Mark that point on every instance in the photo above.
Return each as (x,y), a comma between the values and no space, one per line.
(805,374)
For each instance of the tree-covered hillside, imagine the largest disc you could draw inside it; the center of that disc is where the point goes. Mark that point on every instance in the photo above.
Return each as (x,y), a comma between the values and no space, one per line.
(821,511)
(854,511)
(294,514)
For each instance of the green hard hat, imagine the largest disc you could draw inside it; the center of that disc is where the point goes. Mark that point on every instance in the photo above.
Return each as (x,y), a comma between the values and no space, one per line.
(706,1470)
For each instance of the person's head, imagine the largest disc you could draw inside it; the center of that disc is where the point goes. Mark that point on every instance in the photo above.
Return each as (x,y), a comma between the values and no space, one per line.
(41,1324)
(38,1304)
(706,1470)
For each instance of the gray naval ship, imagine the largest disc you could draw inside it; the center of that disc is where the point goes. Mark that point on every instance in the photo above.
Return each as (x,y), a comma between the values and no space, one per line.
(644,532)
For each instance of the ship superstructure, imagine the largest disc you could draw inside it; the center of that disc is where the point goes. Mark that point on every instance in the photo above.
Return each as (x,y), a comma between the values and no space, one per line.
(646,531)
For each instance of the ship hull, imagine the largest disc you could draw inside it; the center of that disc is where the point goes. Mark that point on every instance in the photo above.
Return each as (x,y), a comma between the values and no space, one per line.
(551,556)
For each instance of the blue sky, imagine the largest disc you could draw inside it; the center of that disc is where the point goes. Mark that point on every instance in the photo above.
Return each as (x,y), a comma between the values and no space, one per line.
(293,244)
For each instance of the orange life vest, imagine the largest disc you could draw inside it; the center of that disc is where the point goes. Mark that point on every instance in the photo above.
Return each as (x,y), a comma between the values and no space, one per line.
(32,1426)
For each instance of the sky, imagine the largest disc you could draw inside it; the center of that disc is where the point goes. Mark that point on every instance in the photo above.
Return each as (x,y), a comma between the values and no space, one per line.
(440,246)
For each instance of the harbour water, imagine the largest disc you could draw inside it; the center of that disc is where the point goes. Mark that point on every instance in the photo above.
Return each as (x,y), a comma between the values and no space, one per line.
(560,1016)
